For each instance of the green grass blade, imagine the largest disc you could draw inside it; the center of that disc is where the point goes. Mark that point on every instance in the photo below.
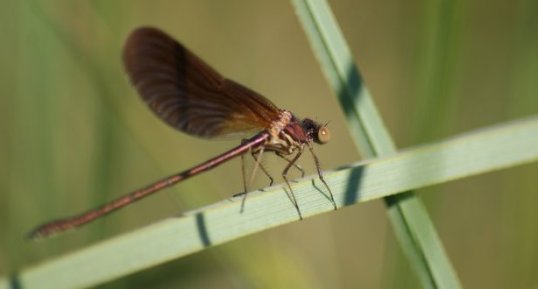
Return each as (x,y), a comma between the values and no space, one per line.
(413,227)
(511,144)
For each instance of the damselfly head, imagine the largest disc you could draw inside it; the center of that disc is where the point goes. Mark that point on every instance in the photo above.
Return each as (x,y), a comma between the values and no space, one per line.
(319,133)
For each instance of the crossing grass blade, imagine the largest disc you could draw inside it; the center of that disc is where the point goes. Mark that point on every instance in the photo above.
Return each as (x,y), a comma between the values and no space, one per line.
(513,143)
(412,225)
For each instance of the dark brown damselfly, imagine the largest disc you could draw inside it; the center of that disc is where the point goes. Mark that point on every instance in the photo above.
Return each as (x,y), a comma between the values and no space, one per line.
(192,97)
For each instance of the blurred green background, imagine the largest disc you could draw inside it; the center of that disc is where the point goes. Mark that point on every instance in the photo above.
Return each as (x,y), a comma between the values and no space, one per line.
(74,134)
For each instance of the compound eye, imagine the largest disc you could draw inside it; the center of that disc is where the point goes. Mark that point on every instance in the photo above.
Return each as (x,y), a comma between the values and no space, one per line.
(324,135)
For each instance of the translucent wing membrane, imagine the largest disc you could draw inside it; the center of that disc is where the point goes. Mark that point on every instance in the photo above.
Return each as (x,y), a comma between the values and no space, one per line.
(187,93)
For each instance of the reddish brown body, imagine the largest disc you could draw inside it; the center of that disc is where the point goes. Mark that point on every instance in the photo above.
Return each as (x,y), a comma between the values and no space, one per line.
(192,97)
